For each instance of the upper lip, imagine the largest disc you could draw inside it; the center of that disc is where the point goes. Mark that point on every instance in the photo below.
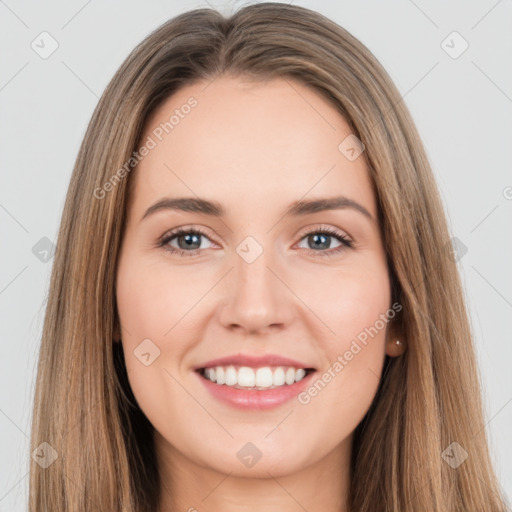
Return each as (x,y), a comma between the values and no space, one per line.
(253,361)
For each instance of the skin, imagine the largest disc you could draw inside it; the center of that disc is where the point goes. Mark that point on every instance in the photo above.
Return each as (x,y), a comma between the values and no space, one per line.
(255,147)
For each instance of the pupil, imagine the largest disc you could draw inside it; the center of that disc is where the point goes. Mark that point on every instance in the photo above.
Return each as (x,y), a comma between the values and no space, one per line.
(188,241)
(315,238)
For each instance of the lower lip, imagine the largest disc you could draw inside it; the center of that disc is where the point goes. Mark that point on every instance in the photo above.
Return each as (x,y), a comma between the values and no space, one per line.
(254,398)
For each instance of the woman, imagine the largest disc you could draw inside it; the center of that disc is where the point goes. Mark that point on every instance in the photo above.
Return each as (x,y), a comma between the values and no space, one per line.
(251,305)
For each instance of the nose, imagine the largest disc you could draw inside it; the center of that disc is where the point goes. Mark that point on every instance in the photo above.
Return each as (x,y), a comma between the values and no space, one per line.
(257,297)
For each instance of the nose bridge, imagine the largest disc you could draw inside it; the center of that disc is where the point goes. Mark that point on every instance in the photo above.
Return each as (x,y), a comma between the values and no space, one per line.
(254,283)
(257,298)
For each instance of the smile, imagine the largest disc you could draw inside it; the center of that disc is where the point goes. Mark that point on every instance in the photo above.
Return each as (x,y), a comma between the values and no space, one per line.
(245,377)
(260,388)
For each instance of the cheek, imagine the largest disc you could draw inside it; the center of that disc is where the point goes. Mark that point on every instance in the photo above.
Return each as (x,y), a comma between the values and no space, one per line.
(139,306)
(345,301)
(151,299)
(354,308)
(150,305)
(158,310)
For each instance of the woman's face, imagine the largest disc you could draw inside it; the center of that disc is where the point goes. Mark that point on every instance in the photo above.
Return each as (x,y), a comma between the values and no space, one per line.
(259,282)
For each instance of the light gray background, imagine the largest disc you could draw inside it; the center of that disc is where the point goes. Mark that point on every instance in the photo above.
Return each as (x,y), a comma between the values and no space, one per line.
(462,107)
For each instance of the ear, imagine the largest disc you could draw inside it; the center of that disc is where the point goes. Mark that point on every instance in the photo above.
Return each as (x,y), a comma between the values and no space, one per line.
(396,344)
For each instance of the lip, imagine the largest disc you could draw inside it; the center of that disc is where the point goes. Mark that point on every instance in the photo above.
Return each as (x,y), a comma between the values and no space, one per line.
(253,361)
(253,399)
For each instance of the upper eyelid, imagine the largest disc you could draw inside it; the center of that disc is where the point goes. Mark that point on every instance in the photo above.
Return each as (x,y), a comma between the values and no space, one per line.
(320,227)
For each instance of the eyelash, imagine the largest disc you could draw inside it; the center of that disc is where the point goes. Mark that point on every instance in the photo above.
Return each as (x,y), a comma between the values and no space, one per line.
(345,242)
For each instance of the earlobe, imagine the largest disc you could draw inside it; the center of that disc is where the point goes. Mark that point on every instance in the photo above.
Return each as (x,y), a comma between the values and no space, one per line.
(395,347)
(396,343)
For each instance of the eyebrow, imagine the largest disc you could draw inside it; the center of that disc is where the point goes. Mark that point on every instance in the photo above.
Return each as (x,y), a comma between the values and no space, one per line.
(215,209)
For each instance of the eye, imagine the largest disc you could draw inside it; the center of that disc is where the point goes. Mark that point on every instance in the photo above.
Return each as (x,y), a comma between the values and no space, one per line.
(188,241)
(321,239)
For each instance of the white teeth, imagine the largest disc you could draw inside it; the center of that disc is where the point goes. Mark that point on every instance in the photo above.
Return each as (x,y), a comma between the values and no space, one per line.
(246,377)
(231,376)
(289,376)
(278,377)
(221,375)
(299,374)
(210,373)
(265,377)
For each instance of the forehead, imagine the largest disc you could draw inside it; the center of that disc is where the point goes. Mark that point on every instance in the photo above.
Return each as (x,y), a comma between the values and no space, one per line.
(245,142)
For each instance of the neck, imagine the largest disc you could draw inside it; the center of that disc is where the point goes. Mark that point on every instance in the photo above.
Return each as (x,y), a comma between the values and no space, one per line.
(191,487)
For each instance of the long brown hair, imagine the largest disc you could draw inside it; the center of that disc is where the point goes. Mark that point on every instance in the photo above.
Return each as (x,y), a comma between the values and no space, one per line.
(427,400)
